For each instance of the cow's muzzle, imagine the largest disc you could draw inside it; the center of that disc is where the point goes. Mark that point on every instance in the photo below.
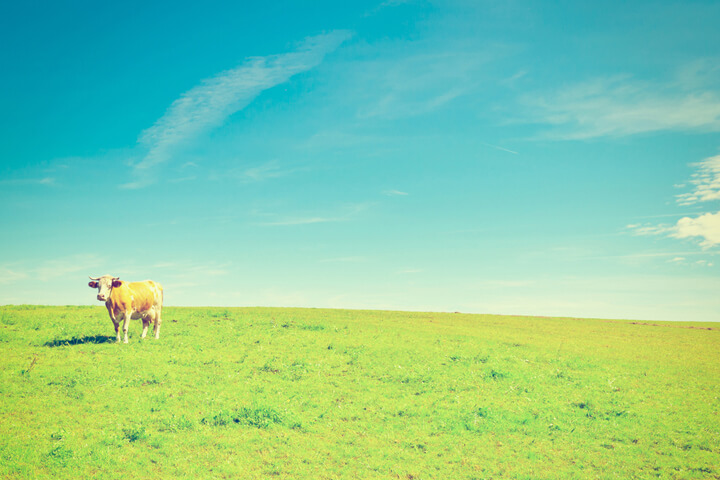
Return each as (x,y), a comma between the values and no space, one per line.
(101,298)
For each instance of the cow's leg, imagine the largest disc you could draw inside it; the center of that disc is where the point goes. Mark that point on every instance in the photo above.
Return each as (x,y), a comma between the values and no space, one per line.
(126,324)
(158,321)
(146,323)
(116,324)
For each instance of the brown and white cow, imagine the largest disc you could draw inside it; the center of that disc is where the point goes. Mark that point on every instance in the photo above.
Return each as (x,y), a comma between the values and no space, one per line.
(126,300)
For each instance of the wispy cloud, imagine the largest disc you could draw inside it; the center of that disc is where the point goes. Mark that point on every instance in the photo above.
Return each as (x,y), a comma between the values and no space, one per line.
(208,105)
(345,214)
(50,269)
(496,147)
(623,105)
(685,262)
(267,170)
(406,85)
(706,181)
(395,193)
(410,271)
(9,276)
(193,268)
(28,181)
(706,226)
(303,221)
(506,283)
(258,173)
(344,260)
(643,229)
(386,4)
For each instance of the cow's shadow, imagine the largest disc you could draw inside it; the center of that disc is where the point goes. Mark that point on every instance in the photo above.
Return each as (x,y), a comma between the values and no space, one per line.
(80,340)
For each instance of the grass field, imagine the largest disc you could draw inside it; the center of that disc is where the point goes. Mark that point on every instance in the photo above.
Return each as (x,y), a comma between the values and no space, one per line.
(323,394)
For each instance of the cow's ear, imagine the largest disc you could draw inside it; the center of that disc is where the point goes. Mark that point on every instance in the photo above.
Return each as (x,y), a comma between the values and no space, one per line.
(117,283)
(93,284)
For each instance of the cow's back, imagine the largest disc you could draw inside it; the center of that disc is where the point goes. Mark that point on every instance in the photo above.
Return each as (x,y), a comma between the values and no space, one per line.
(146,295)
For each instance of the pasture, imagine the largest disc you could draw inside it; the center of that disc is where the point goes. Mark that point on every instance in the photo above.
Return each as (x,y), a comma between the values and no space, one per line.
(331,394)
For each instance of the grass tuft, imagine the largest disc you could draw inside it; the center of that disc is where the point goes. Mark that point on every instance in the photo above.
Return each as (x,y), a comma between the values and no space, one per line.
(135,433)
(259,417)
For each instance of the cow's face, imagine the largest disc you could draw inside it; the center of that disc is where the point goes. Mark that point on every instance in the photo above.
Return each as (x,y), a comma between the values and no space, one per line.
(104,285)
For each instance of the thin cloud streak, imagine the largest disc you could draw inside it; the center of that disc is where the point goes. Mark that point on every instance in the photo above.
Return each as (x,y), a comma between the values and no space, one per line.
(349,213)
(417,84)
(208,105)
(621,105)
(302,221)
(499,148)
(49,181)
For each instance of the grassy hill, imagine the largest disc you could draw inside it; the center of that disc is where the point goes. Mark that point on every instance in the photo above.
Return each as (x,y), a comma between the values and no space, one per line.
(324,394)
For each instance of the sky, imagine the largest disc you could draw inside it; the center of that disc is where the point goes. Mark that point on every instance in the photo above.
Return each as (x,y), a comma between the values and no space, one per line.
(519,157)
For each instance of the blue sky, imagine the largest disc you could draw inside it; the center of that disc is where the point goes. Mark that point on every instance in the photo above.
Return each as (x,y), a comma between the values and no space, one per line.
(492,157)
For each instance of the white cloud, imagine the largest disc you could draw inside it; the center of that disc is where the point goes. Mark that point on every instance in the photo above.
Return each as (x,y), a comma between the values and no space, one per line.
(622,105)
(394,193)
(706,226)
(706,182)
(209,104)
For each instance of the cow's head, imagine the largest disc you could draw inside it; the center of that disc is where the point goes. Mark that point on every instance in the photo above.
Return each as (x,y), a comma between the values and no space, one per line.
(104,285)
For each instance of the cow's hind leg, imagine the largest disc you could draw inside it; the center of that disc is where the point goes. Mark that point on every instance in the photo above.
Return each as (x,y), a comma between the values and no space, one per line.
(146,324)
(146,319)
(158,321)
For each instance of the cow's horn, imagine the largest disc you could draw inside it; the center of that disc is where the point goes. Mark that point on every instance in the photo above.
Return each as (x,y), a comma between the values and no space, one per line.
(91,278)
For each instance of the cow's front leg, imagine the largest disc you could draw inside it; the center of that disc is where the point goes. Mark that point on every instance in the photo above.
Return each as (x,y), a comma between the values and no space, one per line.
(126,324)
(116,324)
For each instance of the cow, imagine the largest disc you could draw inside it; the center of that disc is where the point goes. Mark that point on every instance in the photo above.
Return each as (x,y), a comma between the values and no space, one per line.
(125,300)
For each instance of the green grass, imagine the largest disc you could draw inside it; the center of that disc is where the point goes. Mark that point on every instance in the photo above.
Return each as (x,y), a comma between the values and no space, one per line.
(324,394)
